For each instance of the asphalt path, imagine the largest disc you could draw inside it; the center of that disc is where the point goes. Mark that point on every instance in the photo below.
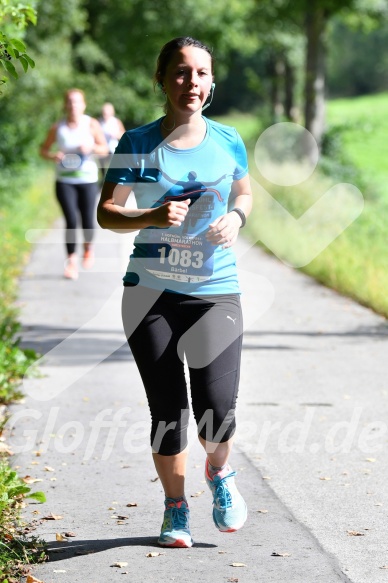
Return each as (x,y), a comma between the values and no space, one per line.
(310,449)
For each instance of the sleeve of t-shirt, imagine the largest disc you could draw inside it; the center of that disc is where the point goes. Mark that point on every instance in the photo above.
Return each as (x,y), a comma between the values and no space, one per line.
(241,158)
(120,169)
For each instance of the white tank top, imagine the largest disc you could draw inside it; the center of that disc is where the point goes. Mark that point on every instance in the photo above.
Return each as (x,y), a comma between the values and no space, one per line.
(76,168)
(111,128)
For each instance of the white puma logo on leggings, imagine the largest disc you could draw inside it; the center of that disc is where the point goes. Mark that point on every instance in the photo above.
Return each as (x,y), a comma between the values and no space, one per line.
(233,319)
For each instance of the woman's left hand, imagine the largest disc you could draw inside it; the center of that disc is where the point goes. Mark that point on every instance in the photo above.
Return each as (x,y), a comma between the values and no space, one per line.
(224,230)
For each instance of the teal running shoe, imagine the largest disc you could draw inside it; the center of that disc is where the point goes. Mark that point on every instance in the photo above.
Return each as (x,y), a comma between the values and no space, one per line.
(175,528)
(229,508)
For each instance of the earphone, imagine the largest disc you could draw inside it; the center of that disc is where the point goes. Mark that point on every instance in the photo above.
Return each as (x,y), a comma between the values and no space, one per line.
(213,86)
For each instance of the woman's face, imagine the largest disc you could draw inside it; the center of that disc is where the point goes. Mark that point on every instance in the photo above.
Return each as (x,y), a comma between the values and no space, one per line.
(188,79)
(75,103)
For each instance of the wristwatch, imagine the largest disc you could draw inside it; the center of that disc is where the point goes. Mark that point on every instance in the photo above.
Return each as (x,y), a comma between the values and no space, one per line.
(242,216)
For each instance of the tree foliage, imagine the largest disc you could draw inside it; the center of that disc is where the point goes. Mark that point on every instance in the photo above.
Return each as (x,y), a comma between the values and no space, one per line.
(110,51)
(14,18)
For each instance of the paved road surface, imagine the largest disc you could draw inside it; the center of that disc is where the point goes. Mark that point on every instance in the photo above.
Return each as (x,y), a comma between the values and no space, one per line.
(311,444)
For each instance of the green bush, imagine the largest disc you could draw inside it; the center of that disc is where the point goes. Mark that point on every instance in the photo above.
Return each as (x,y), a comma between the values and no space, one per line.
(16,547)
(14,361)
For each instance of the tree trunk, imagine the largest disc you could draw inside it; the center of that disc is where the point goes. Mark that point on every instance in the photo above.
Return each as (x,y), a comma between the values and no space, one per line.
(276,71)
(289,90)
(315,71)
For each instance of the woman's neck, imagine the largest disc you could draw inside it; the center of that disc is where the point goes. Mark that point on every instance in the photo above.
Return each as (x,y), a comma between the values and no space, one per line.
(73,120)
(183,131)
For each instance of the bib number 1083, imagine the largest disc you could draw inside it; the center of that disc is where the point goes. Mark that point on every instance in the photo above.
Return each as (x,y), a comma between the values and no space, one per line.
(182,257)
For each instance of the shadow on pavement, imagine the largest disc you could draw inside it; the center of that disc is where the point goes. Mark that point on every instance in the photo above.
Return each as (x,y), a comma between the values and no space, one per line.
(59,552)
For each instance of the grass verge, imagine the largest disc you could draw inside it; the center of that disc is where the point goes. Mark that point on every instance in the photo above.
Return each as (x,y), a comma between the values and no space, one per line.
(30,205)
(30,202)
(355,262)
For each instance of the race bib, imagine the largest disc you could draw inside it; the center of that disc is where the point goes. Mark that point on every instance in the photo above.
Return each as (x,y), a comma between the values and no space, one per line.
(178,257)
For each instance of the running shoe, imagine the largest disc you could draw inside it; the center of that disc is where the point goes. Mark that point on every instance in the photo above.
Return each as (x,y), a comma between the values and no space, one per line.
(88,259)
(71,268)
(175,528)
(229,508)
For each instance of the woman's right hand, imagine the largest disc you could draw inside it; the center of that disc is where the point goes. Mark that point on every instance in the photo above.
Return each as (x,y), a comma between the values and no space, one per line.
(58,156)
(169,214)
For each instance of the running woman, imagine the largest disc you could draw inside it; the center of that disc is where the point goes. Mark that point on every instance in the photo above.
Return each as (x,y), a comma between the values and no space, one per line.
(181,299)
(77,138)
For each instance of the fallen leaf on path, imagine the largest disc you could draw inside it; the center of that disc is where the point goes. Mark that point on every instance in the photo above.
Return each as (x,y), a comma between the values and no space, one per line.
(155,479)
(370,459)
(131,504)
(5,449)
(154,554)
(31,480)
(118,517)
(325,478)
(222,552)
(69,533)
(378,504)
(49,469)
(59,571)
(232,579)
(262,511)
(60,538)
(237,564)
(266,477)
(355,533)
(52,517)
(383,567)
(32,579)
(280,555)
(197,494)
(120,564)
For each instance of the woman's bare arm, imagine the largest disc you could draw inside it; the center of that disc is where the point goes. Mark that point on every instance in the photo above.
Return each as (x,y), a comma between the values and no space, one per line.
(112,214)
(45,149)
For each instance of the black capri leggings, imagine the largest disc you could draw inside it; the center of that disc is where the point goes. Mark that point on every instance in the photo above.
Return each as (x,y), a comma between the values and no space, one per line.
(163,328)
(74,198)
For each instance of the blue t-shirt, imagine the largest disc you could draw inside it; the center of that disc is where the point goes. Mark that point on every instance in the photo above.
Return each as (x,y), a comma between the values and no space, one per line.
(180,259)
